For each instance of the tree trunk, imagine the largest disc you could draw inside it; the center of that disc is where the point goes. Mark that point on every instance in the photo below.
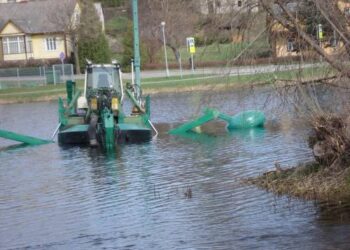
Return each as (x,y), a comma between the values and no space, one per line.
(176,53)
(76,54)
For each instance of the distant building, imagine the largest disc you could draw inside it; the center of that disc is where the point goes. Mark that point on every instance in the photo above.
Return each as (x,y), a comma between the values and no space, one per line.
(208,7)
(34,30)
(286,43)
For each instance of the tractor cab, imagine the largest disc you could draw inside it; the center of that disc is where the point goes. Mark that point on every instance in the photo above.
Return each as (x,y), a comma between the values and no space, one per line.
(103,77)
(103,88)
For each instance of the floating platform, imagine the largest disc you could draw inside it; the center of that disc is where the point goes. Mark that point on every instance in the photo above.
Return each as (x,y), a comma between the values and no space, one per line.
(123,133)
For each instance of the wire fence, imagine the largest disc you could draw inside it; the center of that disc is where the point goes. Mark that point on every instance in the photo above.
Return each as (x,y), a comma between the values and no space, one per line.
(36,76)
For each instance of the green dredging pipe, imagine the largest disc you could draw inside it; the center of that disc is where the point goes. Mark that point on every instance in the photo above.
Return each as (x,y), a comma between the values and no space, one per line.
(137,57)
(243,120)
(109,128)
(23,138)
(209,115)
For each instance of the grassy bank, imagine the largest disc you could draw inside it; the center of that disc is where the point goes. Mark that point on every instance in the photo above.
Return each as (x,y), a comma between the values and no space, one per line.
(327,179)
(162,84)
(217,52)
(226,82)
(309,181)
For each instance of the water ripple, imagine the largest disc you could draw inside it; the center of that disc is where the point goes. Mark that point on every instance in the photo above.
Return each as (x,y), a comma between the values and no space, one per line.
(172,193)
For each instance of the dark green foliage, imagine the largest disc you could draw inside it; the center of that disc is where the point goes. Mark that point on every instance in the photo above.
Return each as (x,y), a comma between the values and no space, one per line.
(348,179)
(128,53)
(95,49)
(308,169)
(117,26)
(93,44)
(111,3)
(128,47)
(266,53)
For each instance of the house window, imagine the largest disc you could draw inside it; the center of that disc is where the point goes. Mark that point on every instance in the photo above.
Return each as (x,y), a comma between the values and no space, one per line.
(347,11)
(290,45)
(29,47)
(51,44)
(239,3)
(13,45)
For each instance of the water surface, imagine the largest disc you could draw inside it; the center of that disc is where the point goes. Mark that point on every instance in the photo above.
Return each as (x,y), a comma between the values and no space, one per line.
(137,197)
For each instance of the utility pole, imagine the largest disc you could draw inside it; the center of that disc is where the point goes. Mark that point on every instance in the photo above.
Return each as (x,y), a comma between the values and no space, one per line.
(137,58)
(165,54)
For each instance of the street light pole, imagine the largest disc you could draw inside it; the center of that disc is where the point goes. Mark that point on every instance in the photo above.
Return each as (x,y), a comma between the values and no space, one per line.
(165,54)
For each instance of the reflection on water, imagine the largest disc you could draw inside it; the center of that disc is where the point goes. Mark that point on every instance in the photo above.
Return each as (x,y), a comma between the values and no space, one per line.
(134,197)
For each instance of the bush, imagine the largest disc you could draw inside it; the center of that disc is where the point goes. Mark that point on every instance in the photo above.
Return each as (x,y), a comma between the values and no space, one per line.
(93,44)
(31,63)
(117,26)
(266,53)
(112,3)
(128,53)
(95,49)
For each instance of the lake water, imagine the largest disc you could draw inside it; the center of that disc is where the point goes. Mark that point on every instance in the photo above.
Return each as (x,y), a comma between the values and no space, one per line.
(137,197)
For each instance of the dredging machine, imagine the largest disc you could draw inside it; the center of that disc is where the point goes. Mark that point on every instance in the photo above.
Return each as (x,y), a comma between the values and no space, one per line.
(97,117)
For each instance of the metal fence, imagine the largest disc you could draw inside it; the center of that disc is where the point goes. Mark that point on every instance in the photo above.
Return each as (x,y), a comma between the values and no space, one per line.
(36,76)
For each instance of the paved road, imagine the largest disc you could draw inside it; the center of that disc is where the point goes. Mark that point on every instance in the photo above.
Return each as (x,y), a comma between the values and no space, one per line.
(232,71)
(229,71)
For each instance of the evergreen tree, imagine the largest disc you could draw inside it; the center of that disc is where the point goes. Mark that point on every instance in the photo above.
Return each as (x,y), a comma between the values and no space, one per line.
(93,44)
(128,45)
(95,49)
(111,3)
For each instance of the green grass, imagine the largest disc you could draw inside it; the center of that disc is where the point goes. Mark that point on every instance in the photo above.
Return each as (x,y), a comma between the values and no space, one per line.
(309,181)
(234,80)
(217,52)
(174,82)
(226,52)
(117,25)
(172,78)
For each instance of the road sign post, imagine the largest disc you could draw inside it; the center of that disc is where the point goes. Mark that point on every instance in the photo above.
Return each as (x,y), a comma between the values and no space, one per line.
(62,57)
(192,49)
(320,37)
(165,53)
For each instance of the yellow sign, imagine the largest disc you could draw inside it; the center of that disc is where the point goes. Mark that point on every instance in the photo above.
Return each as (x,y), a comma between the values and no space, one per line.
(320,32)
(191,45)
(192,49)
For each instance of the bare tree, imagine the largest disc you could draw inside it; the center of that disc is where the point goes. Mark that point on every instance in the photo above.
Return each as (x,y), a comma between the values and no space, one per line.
(65,17)
(77,19)
(180,18)
(228,20)
(329,10)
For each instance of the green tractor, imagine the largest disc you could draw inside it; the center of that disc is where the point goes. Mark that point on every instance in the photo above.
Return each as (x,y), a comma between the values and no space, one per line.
(97,117)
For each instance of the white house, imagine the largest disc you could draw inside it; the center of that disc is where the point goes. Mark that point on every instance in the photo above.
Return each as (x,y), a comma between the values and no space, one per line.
(31,30)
